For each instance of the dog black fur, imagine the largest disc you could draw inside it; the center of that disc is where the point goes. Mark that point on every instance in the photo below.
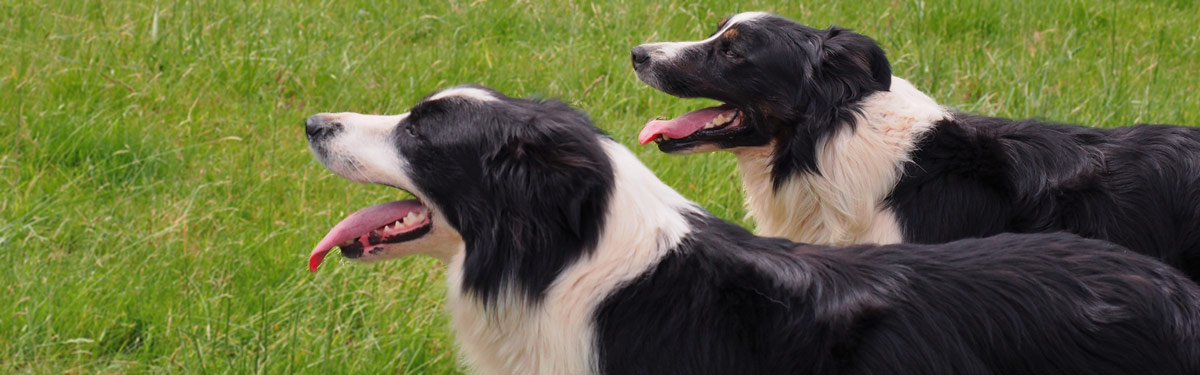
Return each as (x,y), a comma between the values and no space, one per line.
(535,192)
(727,302)
(797,88)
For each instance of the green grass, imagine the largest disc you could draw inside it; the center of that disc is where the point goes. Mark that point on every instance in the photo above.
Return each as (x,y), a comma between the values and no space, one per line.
(158,200)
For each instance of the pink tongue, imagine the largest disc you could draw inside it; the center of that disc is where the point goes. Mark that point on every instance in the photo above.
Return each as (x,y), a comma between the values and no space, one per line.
(359,223)
(681,126)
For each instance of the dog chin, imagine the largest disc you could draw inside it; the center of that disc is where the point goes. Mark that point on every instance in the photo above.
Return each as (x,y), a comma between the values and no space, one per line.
(697,148)
(668,86)
(649,78)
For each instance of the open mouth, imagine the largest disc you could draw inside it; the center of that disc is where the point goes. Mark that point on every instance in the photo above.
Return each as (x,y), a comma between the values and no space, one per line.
(702,125)
(368,230)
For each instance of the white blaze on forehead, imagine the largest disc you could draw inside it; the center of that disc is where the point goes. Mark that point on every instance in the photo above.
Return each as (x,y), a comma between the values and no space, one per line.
(466,92)
(743,17)
(670,49)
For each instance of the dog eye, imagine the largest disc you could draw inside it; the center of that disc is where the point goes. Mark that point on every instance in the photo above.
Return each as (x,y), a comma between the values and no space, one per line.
(730,54)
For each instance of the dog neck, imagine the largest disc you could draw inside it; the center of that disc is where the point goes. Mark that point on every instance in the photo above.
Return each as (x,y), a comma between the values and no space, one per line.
(842,203)
(512,335)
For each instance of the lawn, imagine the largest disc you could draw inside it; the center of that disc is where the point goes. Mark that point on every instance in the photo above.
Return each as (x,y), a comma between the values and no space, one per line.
(159,201)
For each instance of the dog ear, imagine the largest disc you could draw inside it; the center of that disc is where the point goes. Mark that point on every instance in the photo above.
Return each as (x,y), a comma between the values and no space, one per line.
(572,212)
(842,67)
(549,167)
(855,61)
(547,180)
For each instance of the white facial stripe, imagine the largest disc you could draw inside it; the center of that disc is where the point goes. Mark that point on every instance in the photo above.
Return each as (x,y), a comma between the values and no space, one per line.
(669,50)
(363,150)
(372,123)
(744,17)
(467,92)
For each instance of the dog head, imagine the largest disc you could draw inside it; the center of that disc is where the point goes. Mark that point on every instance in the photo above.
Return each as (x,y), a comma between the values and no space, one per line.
(777,79)
(500,178)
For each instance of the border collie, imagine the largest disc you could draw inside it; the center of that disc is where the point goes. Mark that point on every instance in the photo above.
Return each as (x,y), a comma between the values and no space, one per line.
(833,149)
(566,255)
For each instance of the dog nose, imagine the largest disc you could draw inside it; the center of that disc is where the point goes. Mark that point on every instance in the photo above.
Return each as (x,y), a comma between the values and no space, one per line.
(320,126)
(640,56)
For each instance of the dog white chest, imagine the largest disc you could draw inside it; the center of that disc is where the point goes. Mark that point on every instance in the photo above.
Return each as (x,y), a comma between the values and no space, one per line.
(513,336)
(844,203)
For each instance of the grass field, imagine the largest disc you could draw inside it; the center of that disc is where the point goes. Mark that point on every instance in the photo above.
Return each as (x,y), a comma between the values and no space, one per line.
(158,200)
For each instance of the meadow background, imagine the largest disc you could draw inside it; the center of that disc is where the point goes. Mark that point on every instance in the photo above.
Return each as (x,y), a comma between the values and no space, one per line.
(158,200)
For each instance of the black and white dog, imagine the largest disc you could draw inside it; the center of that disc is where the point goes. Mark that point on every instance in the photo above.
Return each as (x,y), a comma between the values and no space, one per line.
(833,149)
(566,255)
